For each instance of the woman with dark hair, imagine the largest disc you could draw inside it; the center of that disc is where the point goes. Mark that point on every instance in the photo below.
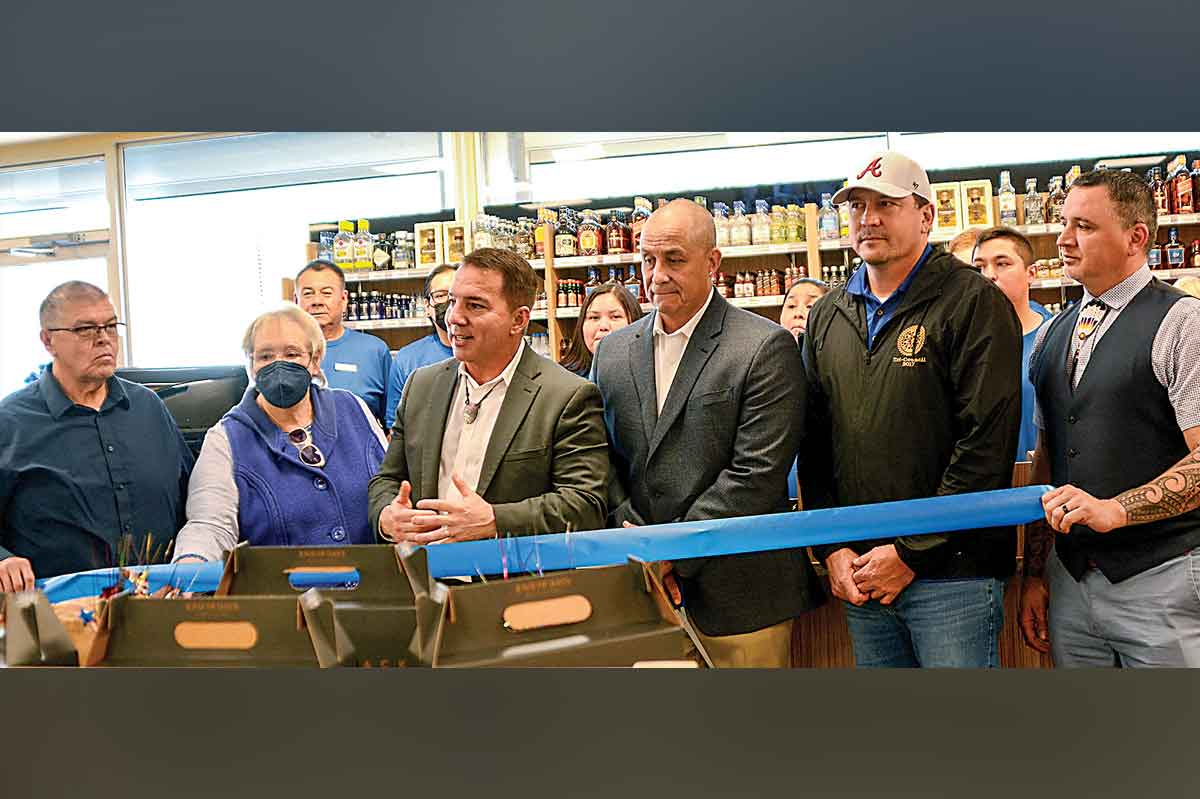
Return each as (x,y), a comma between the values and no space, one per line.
(797,302)
(609,307)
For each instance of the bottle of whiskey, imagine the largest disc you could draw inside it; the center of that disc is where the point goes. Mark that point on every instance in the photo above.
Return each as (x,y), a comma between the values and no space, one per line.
(1054,203)
(1034,214)
(1175,252)
(1159,189)
(1007,197)
(1195,262)
(1181,191)
(1154,258)
(843,212)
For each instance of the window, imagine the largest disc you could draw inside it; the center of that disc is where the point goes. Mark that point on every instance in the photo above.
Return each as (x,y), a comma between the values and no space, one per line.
(54,222)
(214,225)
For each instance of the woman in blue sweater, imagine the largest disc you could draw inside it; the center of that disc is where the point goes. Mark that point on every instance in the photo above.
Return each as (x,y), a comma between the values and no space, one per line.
(289,465)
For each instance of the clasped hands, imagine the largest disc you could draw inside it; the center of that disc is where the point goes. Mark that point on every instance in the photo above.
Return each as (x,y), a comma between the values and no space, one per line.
(879,574)
(432,521)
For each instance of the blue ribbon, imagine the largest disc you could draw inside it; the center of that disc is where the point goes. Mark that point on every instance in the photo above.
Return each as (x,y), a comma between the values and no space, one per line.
(699,539)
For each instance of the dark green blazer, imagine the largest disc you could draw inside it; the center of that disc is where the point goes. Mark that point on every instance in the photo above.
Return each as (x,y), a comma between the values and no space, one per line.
(546,466)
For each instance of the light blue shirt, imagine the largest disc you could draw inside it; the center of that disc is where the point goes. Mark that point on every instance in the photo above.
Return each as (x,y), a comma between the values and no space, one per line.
(361,364)
(410,358)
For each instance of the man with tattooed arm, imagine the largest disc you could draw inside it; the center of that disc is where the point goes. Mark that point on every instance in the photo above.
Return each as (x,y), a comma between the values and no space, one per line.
(1112,577)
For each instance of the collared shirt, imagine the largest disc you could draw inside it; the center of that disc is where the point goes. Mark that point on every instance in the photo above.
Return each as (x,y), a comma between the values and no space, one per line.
(361,364)
(880,313)
(465,445)
(668,350)
(410,358)
(1174,354)
(74,481)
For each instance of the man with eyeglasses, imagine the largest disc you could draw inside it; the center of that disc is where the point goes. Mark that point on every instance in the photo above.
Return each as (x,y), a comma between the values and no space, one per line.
(93,468)
(357,362)
(432,349)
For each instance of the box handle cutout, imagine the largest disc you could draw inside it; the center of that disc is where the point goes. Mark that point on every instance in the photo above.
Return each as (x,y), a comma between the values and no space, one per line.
(540,613)
(329,578)
(216,634)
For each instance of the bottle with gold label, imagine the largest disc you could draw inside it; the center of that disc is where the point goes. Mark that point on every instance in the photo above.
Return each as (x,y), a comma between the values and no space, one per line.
(364,243)
(591,235)
(1054,203)
(343,245)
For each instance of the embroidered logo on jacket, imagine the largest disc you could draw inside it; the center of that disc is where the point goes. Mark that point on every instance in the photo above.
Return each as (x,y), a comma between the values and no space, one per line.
(909,343)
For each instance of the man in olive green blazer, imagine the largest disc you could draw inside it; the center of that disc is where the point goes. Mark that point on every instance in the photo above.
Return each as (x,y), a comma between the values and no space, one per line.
(497,440)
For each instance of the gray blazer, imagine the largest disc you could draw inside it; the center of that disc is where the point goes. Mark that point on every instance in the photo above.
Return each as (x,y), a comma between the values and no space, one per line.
(722,447)
(546,464)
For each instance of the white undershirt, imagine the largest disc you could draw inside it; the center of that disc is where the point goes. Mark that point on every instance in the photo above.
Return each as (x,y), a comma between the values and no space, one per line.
(465,445)
(668,350)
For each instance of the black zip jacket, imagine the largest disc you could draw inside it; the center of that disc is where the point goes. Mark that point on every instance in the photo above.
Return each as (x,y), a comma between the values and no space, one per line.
(933,408)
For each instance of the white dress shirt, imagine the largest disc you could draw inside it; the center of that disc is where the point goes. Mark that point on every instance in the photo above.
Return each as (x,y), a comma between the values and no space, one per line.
(464,445)
(669,348)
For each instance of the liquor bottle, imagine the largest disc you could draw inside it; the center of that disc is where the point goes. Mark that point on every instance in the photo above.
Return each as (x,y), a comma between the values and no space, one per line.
(1159,189)
(1154,257)
(351,313)
(524,239)
(481,231)
(739,225)
(1054,203)
(634,284)
(1196,254)
(843,211)
(828,219)
(1182,192)
(1072,173)
(1175,252)
(381,257)
(617,239)
(591,236)
(760,226)
(566,237)
(593,281)
(1034,213)
(343,245)
(364,243)
(1007,197)
(721,223)
(701,201)
(637,220)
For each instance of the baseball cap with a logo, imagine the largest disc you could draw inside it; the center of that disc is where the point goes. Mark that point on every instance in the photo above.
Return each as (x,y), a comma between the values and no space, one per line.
(889,173)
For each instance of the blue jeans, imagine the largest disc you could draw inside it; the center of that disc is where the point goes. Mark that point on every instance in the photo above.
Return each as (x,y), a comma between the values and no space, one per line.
(933,623)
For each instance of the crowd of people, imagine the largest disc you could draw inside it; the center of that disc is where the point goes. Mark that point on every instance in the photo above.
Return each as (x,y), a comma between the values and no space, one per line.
(929,372)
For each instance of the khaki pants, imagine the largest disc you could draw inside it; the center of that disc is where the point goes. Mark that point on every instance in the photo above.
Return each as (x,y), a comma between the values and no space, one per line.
(768,648)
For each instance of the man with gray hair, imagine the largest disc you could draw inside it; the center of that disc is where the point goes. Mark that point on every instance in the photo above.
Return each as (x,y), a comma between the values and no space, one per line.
(93,468)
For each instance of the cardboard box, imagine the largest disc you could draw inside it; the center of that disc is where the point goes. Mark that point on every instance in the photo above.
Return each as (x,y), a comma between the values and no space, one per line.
(33,635)
(358,634)
(611,616)
(366,573)
(430,249)
(204,631)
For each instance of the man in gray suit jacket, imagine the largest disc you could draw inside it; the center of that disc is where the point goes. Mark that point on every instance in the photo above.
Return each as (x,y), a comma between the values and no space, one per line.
(704,405)
(497,440)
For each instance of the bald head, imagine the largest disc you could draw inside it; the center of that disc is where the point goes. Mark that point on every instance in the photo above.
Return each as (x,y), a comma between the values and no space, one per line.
(686,219)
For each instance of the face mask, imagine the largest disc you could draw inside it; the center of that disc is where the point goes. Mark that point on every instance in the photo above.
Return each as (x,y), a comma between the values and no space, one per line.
(439,315)
(283,383)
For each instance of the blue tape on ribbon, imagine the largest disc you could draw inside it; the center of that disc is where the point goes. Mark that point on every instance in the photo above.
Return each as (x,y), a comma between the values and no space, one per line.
(525,554)
(343,580)
(199,577)
(699,539)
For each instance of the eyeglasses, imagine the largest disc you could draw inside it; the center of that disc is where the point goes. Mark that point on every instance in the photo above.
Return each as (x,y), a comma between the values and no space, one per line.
(290,354)
(309,453)
(440,296)
(91,332)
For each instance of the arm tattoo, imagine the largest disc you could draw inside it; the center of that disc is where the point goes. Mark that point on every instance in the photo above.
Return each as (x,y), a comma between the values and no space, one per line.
(1175,492)
(1038,542)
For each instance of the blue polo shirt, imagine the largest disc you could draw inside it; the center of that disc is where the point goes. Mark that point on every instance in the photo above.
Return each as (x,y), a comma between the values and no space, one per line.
(880,313)
(361,364)
(81,489)
(410,358)
(1028,438)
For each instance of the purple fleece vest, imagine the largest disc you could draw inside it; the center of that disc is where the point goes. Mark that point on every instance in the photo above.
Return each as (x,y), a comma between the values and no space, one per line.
(283,501)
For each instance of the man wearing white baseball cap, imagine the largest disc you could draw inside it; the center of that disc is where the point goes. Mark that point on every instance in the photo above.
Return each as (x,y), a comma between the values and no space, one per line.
(914,391)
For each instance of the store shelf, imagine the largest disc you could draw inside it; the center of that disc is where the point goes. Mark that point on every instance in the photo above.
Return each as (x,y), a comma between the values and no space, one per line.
(1161,274)
(773,301)
(386,274)
(1179,219)
(387,324)
(751,251)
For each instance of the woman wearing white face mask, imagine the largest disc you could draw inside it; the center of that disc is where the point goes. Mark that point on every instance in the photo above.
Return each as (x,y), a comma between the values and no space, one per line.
(289,465)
